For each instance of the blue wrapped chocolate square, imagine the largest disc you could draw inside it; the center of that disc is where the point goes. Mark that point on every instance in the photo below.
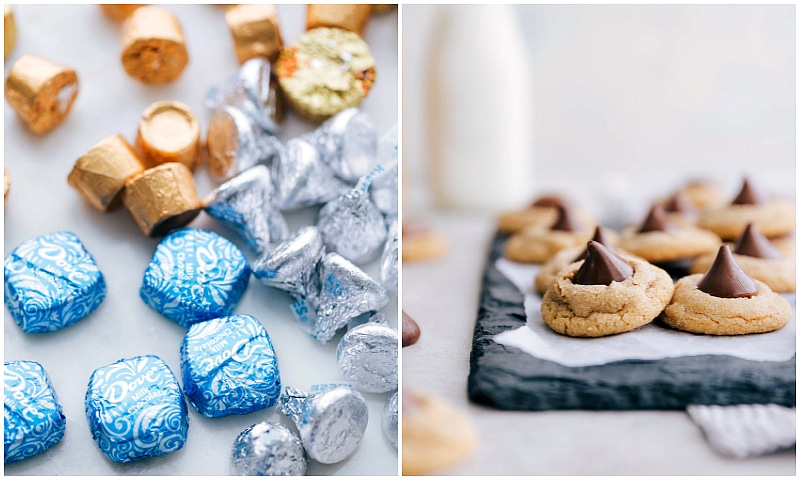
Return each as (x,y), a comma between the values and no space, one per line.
(52,282)
(33,420)
(136,409)
(229,367)
(195,275)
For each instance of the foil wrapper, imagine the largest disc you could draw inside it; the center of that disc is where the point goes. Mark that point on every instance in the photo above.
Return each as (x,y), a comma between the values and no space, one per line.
(352,225)
(195,275)
(136,410)
(347,143)
(119,12)
(99,175)
(349,17)
(33,419)
(326,71)
(367,356)
(51,282)
(153,46)
(229,367)
(389,259)
(268,448)
(9,30)
(235,144)
(291,266)
(389,419)
(301,178)
(345,292)
(248,205)
(169,132)
(331,422)
(255,31)
(383,190)
(255,92)
(41,92)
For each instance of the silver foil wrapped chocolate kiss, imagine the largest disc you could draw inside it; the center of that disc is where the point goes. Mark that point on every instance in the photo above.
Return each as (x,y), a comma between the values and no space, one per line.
(389,259)
(247,204)
(347,143)
(236,144)
(331,422)
(301,178)
(367,356)
(389,419)
(383,190)
(292,265)
(268,448)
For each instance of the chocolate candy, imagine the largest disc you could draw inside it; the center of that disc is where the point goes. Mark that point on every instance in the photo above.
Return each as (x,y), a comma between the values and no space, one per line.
(235,144)
(255,31)
(599,237)
(9,30)
(33,419)
(349,17)
(389,419)
(383,190)
(229,367)
(255,92)
(52,282)
(331,422)
(679,203)
(601,267)
(99,175)
(195,275)
(748,195)
(389,259)
(566,221)
(153,47)
(135,409)
(410,331)
(352,225)
(41,92)
(345,292)
(753,244)
(726,279)
(248,205)
(268,448)
(326,71)
(367,356)
(301,178)
(656,221)
(347,143)
(161,198)
(169,132)
(291,266)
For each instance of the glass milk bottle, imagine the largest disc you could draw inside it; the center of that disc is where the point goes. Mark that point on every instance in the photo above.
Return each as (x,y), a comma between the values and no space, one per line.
(479,110)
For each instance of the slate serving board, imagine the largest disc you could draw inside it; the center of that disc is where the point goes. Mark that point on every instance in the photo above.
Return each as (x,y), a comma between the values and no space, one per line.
(507,378)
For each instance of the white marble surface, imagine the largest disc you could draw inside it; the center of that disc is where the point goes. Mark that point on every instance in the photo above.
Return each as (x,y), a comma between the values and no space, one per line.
(41,201)
(442,296)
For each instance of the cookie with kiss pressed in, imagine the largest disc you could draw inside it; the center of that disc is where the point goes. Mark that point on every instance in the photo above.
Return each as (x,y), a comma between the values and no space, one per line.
(605,294)
(725,301)
(421,242)
(539,244)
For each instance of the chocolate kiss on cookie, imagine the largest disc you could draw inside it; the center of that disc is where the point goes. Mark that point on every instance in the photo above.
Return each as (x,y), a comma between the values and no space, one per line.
(410,331)
(599,237)
(748,195)
(753,244)
(679,203)
(602,266)
(656,221)
(548,201)
(566,220)
(726,279)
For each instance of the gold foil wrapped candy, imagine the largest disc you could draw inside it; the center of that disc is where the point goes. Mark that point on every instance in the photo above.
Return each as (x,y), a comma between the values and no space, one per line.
(100,174)
(162,198)
(326,71)
(9,30)
(153,47)
(255,31)
(351,17)
(6,182)
(169,132)
(41,92)
(119,12)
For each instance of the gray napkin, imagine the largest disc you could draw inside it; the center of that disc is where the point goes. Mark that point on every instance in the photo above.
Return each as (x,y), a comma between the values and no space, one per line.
(742,431)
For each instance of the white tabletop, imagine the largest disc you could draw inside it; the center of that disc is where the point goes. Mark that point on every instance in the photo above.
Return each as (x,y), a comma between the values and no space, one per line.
(40,201)
(442,296)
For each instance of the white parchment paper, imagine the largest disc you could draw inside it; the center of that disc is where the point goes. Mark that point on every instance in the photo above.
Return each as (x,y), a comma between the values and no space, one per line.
(650,342)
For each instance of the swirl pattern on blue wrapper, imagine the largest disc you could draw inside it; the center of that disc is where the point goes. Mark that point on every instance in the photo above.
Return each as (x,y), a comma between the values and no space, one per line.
(229,367)
(136,409)
(195,275)
(51,282)
(33,419)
